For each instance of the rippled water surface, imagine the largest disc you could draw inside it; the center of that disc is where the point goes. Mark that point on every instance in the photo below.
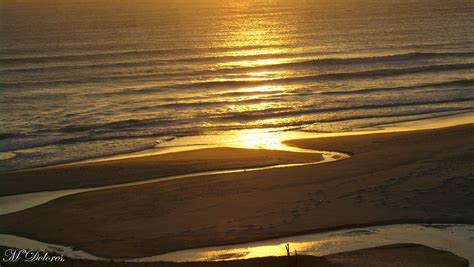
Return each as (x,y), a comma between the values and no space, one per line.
(82,79)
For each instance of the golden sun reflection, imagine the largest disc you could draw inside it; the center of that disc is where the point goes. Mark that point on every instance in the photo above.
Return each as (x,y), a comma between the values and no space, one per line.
(259,51)
(251,35)
(259,139)
(263,89)
(257,40)
(257,62)
(260,74)
(251,107)
(260,251)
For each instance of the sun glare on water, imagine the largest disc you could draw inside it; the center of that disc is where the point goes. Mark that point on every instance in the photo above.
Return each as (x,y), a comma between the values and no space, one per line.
(259,139)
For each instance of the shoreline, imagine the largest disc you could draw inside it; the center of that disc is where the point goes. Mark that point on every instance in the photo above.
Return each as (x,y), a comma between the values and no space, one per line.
(366,198)
(332,229)
(413,254)
(191,143)
(284,145)
(296,235)
(18,202)
(188,163)
(324,243)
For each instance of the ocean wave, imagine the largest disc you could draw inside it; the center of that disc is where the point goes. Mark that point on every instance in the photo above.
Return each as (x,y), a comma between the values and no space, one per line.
(291,80)
(82,80)
(333,76)
(117,125)
(146,62)
(396,72)
(208,104)
(208,84)
(367,121)
(125,129)
(127,53)
(462,83)
(168,134)
(312,110)
(433,111)
(375,59)
(4,136)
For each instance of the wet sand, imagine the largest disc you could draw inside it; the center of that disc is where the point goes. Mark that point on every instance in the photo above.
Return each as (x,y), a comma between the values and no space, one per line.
(413,255)
(118,171)
(419,176)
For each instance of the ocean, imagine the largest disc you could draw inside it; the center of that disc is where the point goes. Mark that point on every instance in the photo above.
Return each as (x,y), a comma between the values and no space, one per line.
(86,79)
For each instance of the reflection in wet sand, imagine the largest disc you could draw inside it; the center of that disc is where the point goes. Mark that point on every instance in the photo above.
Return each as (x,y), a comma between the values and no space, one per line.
(456,238)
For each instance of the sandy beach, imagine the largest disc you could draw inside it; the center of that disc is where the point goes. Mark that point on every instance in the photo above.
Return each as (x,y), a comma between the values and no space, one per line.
(214,132)
(137,169)
(417,176)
